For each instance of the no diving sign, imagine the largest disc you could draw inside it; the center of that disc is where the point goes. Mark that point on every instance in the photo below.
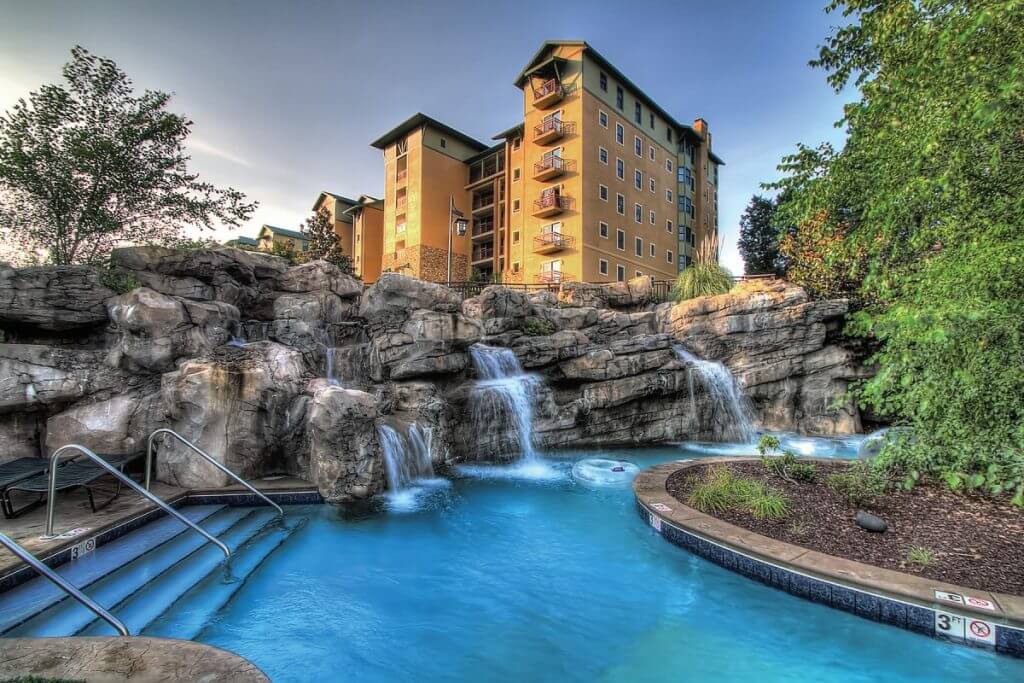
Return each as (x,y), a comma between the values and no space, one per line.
(956,627)
(979,631)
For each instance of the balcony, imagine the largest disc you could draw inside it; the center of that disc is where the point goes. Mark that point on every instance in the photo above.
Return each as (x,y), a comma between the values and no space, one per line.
(551,129)
(552,205)
(483,201)
(553,276)
(550,242)
(483,254)
(552,167)
(401,176)
(481,228)
(548,93)
(400,205)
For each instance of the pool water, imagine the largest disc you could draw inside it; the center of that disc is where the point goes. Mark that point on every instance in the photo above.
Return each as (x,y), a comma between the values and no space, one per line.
(523,575)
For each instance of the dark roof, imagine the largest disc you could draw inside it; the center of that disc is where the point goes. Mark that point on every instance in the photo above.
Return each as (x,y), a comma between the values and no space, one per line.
(284,232)
(320,198)
(486,153)
(514,131)
(365,201)
(247,241)
(715,158)
(417,120)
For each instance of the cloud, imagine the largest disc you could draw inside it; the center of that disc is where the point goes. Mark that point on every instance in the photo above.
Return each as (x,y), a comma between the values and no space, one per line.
(204,147)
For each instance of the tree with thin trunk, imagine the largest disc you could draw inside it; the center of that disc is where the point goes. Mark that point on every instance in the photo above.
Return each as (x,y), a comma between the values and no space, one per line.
(324,244)
(89,164)
(759,238)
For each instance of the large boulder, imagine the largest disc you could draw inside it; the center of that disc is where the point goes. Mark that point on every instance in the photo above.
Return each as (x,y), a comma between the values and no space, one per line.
(237,406)
(52,298)
(38,377)
(319,276)
(393,297)
(346,462)
(428,343)
(120,424)
(499,308)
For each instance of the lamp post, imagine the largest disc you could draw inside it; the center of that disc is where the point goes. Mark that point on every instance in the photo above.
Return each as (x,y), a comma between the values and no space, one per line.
(458,223)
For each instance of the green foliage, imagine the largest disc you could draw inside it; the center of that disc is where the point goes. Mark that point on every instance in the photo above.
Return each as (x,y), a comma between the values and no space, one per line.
(785,465)
(922,557)
(719,489)
(538,327)
(88,164)
(701,279)
(860,484)
(284,252)
(919,216)
(324,244)
(759,237)
(118,281)
(189,244)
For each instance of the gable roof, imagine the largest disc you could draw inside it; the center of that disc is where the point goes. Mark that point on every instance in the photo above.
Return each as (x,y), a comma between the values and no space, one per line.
(242,239)
(284,232)
(418,120)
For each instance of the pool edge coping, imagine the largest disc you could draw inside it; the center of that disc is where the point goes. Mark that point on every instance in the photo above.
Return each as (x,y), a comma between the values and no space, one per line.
(875,593)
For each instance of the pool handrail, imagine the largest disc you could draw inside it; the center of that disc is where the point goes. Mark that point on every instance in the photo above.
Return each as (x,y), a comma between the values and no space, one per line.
(51,502)
(206,456)
(57,580)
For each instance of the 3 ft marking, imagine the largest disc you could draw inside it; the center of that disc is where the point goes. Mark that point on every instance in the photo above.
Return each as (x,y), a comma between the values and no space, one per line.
(949,625)
(83,548)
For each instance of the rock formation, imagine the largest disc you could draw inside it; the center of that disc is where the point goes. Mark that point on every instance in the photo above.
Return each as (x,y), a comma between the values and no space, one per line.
(231,348)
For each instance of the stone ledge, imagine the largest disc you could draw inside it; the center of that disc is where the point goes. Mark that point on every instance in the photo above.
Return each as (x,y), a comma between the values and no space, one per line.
(100,660)
(880,594)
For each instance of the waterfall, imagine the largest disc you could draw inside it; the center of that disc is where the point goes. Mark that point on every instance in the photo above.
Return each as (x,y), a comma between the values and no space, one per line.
(730,409)
(331,378)
(503,393)
(406,458)
(237,336)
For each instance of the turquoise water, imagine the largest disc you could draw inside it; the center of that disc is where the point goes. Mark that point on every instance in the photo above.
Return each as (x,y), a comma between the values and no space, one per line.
(525,576)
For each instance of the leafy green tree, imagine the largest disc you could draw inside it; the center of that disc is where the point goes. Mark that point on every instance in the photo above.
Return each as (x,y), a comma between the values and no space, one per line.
(324,244)
(927,195)
(88,164)
(759,237)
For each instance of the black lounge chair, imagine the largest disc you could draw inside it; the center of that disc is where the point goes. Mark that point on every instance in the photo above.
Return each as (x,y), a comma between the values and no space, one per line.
(76,474)
(16,471)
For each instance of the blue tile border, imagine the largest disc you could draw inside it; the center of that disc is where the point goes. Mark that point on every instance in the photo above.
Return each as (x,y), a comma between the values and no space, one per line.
(912,617)
(230,498)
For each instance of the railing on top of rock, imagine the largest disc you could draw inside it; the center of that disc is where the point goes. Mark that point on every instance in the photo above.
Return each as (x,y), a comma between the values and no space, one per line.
(468,289)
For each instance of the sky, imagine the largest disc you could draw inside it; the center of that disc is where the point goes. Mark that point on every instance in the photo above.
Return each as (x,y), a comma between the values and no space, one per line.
(287,96)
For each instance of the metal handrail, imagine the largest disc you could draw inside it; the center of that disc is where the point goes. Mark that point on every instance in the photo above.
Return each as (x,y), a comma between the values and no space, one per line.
(57,580)
(51,502)
(209,459)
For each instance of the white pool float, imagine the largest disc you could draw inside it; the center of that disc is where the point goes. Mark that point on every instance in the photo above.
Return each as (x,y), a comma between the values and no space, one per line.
(604,472)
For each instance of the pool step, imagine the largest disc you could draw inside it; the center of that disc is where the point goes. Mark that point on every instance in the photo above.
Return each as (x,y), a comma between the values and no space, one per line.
(157,596)
(37,594)
(186,618)
(67,617)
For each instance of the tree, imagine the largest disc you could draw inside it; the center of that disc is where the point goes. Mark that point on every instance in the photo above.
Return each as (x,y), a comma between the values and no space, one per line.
(323,242)
(927,194)
(88,164)
(759,237)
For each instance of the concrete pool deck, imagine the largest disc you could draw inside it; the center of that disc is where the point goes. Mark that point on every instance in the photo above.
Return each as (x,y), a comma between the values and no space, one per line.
(73,512)
(913,602)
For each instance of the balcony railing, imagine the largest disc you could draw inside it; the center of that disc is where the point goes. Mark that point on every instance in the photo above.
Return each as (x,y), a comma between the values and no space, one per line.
(484,253)
(551,204)
(548,242)
(549,92)
(482,228)
(553,276)
(552,129)
(552,167)
(400,205)
(480,201)
(400,176)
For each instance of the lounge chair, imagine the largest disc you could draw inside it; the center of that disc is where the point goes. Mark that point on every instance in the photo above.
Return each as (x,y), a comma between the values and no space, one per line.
(16,471)
(77,474)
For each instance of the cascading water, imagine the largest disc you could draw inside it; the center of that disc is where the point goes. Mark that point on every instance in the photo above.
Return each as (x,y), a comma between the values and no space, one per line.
(731,410)
(408,466)
(331,378)
(237,336)
(503,393)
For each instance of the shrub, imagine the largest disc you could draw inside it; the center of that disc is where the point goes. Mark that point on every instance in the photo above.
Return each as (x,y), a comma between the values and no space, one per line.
(922,557)
(786,465)
(719,489)
(538,327)
(706,277)
(861,484)
(118,281)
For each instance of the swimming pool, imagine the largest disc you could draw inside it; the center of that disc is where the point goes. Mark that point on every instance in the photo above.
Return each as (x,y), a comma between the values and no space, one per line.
(508,574)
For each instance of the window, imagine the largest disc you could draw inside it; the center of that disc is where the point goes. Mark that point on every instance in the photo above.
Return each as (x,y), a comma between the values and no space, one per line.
(515,175)
(604,81)
(620,204)
(515,266)
(638,114)
(602,266)
(651,217)
(620,169)
(638,213)
(620,134)
(653,249)
(668,164)
(669,135)
(619,97)
(602,119)
(668,196)
(516,143)
(515,206)
(602,191)
(638,180)
(653,186)
(652,119)
(602,154)
(515,237)
(620,239)
(668,256)
(602,230)
(639,244)
(638,146)
(652,153)
(668,226)
(639,273)
(444,143)
(620,273)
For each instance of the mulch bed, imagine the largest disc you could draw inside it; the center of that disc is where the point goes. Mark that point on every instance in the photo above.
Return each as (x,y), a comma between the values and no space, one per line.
(977,543)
